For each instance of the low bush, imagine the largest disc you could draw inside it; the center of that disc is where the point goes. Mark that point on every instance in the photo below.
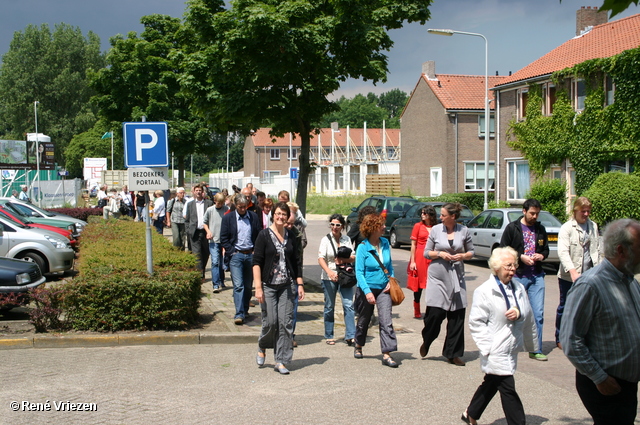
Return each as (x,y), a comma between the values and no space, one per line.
(552,194)
(48,308)
(79,213)
(113,290)
(614,195)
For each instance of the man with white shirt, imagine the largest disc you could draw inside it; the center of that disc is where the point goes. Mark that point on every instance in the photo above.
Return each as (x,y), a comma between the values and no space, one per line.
(194,220)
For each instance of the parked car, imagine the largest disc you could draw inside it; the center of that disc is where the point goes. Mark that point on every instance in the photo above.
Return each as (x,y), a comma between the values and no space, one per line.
(400,232)
(25,222)
(487,227)
(17,277)
(48,250)
(389,207)
(35,213)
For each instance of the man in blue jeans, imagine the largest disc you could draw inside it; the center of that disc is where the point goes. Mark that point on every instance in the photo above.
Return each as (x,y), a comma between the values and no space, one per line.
(529,238)
(212,223)
(238,232)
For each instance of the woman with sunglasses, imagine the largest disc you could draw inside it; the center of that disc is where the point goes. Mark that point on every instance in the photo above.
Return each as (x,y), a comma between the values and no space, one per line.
(419,264)
(329,246)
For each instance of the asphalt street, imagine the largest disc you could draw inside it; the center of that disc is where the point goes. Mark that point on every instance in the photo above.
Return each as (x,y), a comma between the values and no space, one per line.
(221,383)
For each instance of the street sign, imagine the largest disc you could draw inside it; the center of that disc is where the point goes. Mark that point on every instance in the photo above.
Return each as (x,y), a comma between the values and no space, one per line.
(148,179)
(293,173)
(146,144)
(63,173)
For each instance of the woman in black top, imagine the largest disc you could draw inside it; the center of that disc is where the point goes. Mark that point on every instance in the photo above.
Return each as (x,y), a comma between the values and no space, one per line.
(277,277)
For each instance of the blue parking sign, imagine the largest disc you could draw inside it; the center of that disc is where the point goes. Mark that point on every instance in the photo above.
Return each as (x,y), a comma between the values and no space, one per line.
(146,144)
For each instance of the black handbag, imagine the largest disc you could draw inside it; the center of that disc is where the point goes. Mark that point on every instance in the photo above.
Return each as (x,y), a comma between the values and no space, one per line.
(346,272)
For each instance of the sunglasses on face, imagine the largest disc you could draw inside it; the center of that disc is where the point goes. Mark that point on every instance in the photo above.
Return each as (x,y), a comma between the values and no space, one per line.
(335,224)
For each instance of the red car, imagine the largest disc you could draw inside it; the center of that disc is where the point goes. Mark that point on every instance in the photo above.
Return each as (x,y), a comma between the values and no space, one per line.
(67,234)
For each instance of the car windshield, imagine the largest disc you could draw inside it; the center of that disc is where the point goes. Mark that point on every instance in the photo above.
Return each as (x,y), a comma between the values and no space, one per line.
(547,219)
(13,222)
(15,211)
(466,213)
(40,210)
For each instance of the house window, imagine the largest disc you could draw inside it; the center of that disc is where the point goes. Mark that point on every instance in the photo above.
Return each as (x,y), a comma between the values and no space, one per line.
(622,165)
(548,98)
(518,180)
(436,181)
(580,94)
(267,176)
(609,88)
(292,154)
(474,176)
(523,98)
(339,178)
(492,126)
(275,154)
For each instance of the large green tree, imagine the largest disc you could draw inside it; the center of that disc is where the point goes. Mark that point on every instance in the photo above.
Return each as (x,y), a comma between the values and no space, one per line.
(372,109)
(142,79)
(51,68)
(275,62)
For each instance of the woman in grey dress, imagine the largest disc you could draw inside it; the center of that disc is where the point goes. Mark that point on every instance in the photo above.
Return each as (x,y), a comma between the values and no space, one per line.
(449,244)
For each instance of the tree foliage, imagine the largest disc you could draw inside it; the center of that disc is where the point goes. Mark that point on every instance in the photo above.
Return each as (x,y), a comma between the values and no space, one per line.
(614,196)
(276,61)
(51,68)
(371,109)
(594,137)
(142,79)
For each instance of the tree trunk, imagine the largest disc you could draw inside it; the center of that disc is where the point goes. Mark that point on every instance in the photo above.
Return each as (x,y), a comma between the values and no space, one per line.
(181,171)
(305,167)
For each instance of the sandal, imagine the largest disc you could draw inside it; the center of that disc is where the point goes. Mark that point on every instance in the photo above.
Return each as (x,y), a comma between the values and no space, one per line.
(357,353)
(349,342)
(331,342)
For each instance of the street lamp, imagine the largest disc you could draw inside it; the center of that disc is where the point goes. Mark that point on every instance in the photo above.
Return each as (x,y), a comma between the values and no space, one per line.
(37,179)
(487,117)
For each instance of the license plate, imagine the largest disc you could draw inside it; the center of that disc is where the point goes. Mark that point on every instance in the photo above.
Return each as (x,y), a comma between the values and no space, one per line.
(552,238)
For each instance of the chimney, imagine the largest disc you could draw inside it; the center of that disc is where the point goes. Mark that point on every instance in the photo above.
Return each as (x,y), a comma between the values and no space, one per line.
(429,69)
(587,17)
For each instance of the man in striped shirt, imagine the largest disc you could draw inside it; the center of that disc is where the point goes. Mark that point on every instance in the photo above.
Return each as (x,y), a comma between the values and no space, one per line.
(600,330)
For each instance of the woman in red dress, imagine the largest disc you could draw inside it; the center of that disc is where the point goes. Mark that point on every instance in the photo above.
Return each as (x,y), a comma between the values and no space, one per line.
(418,263)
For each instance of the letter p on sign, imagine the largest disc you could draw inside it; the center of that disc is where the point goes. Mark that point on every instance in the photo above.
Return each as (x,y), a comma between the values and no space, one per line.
(145,144)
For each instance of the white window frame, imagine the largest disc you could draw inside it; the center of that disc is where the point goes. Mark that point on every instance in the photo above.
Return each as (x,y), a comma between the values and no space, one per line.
(292,153)
(476,184)
(522,107)
(275,154)
(609,93)
(435,181)
(492,125)
(579,99)
(268,175)
(512,181)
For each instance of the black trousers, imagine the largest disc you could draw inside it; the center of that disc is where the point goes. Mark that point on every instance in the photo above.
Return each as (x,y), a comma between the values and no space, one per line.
(200,248)
(511,404)
(454,342)
(619,409)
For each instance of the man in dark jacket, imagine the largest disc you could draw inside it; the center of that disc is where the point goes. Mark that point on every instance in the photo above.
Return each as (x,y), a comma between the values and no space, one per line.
(194,217)
(529,238)
(238,233)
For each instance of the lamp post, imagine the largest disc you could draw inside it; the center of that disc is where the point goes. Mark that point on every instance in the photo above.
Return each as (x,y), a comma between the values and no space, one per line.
(37,151)
(487,117)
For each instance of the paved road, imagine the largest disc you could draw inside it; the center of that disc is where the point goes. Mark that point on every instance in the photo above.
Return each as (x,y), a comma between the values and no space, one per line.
(220,383)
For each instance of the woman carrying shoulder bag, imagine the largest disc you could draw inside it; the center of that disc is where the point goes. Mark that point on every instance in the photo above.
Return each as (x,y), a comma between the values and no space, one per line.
(373,287)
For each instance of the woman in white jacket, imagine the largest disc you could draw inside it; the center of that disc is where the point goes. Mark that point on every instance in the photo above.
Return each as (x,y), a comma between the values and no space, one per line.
(501,324)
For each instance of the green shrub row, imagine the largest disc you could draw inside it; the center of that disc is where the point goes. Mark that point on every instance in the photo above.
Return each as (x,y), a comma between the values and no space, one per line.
(552,194)
(113,291)
(79,213)
(475,201)
(614,195)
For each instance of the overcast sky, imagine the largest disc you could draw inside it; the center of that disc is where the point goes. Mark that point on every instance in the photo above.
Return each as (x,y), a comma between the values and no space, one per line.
(518,32)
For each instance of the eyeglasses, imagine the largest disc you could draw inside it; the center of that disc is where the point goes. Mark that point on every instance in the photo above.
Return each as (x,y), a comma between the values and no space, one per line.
(510,266)
(335,224)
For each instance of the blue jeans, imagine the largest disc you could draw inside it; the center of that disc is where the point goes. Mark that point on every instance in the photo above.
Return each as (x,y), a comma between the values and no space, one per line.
(564,285)
(330,290)
(242,276)
(534,285)
(215,249)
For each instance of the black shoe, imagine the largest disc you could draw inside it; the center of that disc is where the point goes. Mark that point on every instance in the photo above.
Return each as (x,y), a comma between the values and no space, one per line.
(423,350)
(457,361)
(388,361)
(357,353)
(349,342)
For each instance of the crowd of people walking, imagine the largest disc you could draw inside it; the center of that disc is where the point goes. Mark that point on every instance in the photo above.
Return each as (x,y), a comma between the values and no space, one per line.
(261,242)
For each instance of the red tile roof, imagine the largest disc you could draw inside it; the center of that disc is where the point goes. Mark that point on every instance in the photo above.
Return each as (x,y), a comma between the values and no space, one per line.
(262,138)
(462,91)
(602,41)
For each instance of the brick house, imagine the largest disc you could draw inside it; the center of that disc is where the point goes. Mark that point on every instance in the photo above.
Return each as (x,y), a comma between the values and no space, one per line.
(443,134)
(595,38)
(342,158)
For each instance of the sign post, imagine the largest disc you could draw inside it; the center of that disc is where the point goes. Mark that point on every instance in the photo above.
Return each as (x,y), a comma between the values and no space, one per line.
(146,157)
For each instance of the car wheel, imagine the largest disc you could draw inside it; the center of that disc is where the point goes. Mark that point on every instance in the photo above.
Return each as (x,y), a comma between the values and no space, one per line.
(36,258)
(393,239)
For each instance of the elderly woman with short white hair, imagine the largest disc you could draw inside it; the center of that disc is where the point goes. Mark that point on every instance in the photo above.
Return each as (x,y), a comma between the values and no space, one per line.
(501,324)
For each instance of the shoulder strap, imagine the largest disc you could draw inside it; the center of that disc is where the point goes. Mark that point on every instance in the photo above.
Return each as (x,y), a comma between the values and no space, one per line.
(384,269)
(335,254)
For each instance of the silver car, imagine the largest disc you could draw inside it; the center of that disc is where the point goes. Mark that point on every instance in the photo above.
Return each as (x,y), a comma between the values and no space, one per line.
(31,210)
(48,250)
(487,227)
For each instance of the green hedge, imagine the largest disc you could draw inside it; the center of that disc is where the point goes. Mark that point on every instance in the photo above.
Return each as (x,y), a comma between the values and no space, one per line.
(113,290)
(552,194)
(614,196)
(475,201)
